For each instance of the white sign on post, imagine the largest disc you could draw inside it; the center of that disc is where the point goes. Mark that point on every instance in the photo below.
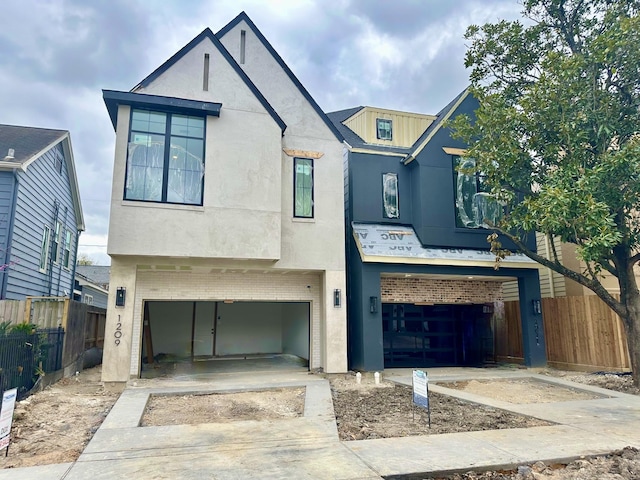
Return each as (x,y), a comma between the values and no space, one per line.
(6,416)
(420,388)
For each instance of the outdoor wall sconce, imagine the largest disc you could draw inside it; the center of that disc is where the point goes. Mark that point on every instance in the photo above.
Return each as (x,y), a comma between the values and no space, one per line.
(337,298)
(121,293)
(537,307)
(373,304)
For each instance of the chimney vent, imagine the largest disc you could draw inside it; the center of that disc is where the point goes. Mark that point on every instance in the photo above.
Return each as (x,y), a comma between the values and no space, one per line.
(10,154)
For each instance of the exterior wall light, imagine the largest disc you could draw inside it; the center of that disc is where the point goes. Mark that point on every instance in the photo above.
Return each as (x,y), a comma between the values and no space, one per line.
(373,304)
(121,294)
(337,297)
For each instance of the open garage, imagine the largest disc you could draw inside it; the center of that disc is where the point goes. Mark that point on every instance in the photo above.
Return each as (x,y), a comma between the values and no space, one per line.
(179,330)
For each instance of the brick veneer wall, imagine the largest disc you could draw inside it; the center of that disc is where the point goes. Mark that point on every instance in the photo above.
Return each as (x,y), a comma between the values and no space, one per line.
(416,290)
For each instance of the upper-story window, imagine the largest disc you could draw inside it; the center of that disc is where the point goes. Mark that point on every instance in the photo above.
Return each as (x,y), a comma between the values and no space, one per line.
(474,204)
(165,161)
(383,129)
(303,187)
(390,200)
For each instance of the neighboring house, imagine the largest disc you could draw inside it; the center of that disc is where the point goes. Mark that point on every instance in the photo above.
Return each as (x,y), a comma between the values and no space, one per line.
(40,212)
(226,232)
(422,287)
(92,285)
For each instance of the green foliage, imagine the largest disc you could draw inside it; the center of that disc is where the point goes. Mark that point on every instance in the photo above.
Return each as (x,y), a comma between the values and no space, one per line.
(27,328)
(557,130)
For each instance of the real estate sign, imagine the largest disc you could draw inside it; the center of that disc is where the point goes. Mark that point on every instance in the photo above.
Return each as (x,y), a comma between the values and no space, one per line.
(420,388)
(6,416)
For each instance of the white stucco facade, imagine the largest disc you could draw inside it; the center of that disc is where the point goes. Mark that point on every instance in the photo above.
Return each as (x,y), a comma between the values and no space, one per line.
(243,244)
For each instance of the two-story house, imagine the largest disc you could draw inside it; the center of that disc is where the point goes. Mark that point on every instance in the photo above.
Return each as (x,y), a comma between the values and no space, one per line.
(226,232)
(422,286)
(40,212)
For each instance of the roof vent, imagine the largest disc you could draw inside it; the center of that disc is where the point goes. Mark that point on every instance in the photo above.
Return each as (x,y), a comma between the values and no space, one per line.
(10,154)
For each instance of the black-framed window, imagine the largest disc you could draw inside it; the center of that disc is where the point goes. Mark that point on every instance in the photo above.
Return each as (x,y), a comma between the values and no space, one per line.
(390,196)
(384,129)
(303,187)
(474,204)
(156,173)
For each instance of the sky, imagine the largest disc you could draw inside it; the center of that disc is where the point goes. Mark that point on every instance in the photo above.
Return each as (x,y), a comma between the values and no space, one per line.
(56,56)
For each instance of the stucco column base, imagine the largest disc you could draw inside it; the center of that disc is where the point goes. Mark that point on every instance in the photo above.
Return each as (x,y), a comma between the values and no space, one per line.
(114,387)
(335,328)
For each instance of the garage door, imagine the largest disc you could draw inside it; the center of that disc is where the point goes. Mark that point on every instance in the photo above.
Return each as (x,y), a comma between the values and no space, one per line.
(185,329)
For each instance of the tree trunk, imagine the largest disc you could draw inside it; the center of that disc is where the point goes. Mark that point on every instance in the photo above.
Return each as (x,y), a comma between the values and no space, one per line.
(632,330)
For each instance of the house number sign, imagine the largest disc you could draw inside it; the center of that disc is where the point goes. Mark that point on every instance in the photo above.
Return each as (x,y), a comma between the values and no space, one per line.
(118,333)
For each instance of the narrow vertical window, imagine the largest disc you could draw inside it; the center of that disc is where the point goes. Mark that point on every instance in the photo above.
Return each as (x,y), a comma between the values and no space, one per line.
(303,187)
(390,200)
(55,244)
(66,258)
(383,129)
(205,73)
(243,41)
(44,249)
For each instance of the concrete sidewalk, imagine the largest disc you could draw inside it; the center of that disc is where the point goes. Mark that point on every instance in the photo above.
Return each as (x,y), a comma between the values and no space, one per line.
(309,448)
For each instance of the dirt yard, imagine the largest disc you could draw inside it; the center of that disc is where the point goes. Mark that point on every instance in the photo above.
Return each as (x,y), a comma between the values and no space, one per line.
(54,426)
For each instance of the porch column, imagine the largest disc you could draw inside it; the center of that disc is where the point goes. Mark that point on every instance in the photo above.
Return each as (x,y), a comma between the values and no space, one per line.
(535,354)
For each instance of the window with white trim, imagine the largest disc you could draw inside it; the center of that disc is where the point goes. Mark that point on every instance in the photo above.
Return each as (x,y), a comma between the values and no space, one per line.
(66,257)
(55,243)
(44,249)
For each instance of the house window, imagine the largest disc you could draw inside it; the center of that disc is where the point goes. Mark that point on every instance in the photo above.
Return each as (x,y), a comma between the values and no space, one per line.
(303,187)
(474,204)
(165,161)
(58,161)
(66,258)
(88,299)
(55,244)
(44,248)
(383,128)
(390,201)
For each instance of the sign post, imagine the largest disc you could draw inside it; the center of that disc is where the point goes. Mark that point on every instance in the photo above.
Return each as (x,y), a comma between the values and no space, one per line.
(6,417)
(421,392)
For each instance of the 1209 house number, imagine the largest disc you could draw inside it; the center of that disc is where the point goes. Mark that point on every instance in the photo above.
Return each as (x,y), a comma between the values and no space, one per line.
(118,333)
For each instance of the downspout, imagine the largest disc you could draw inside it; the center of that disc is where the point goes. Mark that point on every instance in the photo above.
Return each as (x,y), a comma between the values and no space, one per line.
(7,258)
(75,264)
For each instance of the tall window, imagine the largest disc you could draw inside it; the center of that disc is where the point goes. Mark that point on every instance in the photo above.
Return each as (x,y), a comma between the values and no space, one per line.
(55,243)
(44,249)
(303,187)
(474,204)
(383,128)
(390,202)
(156,173)
(66,258)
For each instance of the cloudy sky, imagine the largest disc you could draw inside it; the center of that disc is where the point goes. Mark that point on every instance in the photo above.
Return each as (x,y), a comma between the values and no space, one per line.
(57,55)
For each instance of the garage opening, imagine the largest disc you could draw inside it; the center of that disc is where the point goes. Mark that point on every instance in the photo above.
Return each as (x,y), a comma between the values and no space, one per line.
(437,335)
(178,331)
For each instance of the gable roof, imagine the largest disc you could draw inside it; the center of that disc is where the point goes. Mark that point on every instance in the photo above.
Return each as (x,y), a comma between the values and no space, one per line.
(207,33)
(442,116)
(98,274)
(29,144)
(244,17)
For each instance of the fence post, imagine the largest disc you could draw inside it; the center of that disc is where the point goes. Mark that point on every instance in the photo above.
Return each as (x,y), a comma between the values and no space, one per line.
(59,343)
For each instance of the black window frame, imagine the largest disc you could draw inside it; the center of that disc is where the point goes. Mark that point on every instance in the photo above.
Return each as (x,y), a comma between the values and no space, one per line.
(295,186)
(387,121)
(166,155)
(478,179)
(397,196)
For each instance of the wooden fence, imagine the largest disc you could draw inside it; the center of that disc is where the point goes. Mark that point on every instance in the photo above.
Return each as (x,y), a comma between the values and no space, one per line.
(83,324)
(581,333)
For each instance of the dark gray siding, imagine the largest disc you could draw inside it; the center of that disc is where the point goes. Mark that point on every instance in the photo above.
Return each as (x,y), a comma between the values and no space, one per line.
(43,195)
(7,185)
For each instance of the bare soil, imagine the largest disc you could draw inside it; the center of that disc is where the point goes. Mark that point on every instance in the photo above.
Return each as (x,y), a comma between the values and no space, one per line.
(54,426)
(223,408)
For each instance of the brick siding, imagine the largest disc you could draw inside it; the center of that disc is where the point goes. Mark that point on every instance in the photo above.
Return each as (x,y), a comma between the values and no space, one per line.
(417,290)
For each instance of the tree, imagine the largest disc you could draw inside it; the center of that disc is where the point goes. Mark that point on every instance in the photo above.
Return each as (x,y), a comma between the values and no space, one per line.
(557,137)
(84,259)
